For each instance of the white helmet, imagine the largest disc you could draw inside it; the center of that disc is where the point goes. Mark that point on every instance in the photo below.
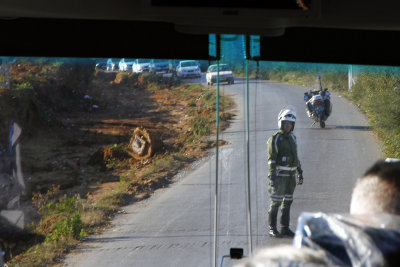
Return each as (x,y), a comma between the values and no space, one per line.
(286,115)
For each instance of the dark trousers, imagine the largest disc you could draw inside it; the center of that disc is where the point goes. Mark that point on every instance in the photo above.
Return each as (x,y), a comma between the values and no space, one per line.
(281,195)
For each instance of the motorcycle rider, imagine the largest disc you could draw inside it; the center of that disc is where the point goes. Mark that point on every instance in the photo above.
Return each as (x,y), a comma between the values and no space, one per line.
(283,164)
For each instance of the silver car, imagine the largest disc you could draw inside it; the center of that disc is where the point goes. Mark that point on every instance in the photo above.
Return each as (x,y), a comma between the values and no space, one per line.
(188,69)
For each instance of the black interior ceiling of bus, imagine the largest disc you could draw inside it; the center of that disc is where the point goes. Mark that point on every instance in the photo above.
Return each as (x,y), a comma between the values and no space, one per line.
(134,39)
(266,4)
(369,47)
(98,38)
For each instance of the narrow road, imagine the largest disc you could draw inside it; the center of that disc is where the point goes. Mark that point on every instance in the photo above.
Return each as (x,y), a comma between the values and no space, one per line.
(175,226)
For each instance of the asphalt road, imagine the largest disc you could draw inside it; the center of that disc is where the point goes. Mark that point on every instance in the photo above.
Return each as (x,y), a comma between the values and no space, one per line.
(175,226)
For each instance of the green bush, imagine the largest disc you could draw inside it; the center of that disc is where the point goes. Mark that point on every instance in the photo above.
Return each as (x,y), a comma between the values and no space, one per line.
(67,205)
(209,99)
(377,94)
(23,86)
(200,126)
(68,223)
(66,228)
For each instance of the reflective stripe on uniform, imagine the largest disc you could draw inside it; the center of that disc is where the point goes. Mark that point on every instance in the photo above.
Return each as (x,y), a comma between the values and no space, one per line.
(288,197)
(271,162)
(276,198)
(283,175)
(284,168)
(276,141)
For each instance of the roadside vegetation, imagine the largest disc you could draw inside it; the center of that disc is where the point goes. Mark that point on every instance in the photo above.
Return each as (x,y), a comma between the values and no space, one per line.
(377,92)
(67,217)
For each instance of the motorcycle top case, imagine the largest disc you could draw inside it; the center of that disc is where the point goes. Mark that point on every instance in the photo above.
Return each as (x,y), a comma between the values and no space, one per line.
(316,99)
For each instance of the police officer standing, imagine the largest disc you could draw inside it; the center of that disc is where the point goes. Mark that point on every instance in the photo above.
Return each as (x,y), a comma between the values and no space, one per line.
(283,166)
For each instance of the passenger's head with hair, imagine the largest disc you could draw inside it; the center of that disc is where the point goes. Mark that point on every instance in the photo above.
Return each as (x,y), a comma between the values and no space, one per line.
(378,190)
(286,255)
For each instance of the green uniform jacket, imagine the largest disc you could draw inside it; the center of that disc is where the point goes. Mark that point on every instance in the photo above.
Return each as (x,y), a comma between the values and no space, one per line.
(282,151)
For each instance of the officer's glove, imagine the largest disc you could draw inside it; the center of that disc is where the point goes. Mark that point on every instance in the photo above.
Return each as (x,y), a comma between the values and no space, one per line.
(300,179)
(272,179)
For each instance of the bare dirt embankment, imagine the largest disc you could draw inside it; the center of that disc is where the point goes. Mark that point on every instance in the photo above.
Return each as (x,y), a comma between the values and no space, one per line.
(78,127)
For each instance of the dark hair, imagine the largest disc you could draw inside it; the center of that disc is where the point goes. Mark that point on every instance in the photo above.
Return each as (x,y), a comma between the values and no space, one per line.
(388,171)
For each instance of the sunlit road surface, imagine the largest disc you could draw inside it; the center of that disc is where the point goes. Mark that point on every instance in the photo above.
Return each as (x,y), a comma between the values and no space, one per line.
(175,226)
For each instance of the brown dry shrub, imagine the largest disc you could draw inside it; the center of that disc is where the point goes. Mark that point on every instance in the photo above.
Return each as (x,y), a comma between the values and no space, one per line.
(40,200)
(109,153)
(103,76)
(130,79)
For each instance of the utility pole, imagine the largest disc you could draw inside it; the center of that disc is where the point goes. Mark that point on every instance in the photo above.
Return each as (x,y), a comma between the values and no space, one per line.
(351,81)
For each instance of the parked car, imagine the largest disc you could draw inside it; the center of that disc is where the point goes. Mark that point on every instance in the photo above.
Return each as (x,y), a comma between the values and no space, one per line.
(159,66)
(225,74)
(111,66)
(105,64)
(101,65)
(125,65)
(141,65)
(188,68)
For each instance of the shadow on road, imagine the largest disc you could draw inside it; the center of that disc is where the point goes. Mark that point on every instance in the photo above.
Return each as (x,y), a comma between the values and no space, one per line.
(342,127)
(353,127)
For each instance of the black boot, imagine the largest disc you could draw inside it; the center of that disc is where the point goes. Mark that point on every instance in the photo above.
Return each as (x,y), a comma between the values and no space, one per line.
(272,215)
(285,231)
(285,220)
(273,232)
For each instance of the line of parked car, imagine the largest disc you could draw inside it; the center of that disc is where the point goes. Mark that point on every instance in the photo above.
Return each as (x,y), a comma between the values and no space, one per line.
(182,69)
(185,68)
(135,65)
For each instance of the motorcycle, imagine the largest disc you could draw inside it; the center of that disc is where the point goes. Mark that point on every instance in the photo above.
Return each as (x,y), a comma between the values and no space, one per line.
(318,104)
